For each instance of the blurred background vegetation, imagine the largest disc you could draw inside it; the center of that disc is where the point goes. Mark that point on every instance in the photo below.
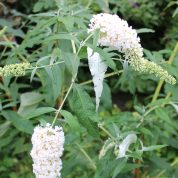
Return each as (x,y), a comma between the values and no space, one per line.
(125,99)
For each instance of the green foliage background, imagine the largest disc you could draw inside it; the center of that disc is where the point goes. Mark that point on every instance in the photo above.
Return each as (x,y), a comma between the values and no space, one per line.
(44,33)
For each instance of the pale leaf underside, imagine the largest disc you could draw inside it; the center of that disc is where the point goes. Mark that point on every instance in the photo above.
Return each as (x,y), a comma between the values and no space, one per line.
(97,68)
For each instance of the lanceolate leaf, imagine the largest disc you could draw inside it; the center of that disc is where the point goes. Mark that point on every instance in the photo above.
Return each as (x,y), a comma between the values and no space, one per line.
(145,30)
(97,68)
(19,122)
(52,81)
(105,56)
(39,111)
(71,62)
(119,166)
(71,120)
(153,147)
(124,146)
(82,106)
(4,127)
(106,97)
(29,101)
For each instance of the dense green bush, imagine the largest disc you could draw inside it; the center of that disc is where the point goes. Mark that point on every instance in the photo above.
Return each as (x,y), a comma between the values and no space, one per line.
(52,36)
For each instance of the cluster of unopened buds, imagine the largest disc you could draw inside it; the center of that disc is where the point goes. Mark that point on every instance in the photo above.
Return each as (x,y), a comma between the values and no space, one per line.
(14,69)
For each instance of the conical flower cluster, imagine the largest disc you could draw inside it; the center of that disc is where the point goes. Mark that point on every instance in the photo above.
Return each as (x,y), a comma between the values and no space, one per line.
(116,33)
(46,152)
(14,69)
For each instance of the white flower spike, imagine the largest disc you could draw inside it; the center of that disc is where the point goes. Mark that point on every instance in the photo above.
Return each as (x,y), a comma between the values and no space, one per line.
(46,152)
(116,33)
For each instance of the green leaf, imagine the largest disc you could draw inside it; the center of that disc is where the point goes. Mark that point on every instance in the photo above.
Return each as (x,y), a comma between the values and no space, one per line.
(171,4)
(145,30)
(7,140)
(153,147)
(108,166)
(52,79)
(129,167)
(103,4)
(68,21)
(4,127)
(28,102)
(146,131)
(37,35)
(172,142)
(120,165)
(106,98)
(10,29)
(96,37)
(56,77)
(71,120)
(104,56)
(39,111)
(71,62)
(82,106)
(37,7)
(175,12)
(103,170)
(59,37)
(159,102)
(160,162)
(19,122)
(162,114)
(20,146)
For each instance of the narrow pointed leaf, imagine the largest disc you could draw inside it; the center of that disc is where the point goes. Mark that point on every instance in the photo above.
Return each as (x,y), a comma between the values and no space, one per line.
(82,106)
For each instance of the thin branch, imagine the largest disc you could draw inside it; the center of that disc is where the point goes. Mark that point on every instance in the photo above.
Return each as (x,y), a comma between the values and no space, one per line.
(87,156)
(39,67)
(106,131)
(58,111)
(106,76)
(68,91)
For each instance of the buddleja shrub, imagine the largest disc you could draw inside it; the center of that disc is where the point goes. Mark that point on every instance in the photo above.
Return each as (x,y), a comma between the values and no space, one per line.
(48,71)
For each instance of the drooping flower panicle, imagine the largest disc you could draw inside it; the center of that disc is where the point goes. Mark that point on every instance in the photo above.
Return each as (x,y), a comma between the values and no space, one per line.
(116,33)
(46,152)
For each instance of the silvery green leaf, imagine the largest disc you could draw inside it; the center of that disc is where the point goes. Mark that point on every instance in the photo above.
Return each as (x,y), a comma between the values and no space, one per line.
(124,146)
(97,68)
(145,30)
(175,12)
(153,147)
(28,102)
(175,106)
